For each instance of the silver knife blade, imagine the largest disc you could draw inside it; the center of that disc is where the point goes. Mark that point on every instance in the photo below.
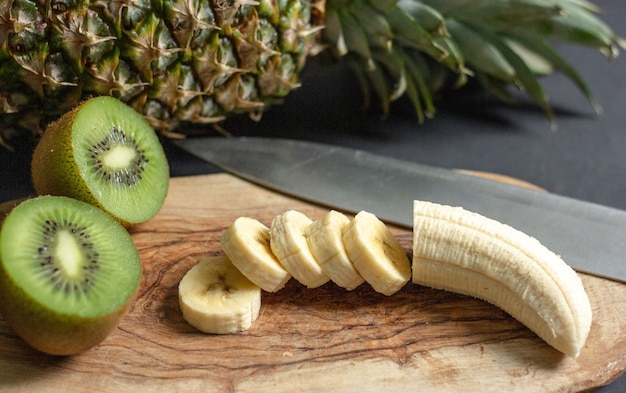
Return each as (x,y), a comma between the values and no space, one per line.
(590,237)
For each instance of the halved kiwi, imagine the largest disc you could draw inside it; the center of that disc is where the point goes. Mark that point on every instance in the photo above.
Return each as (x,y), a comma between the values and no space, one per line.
(103,153)
(68,272)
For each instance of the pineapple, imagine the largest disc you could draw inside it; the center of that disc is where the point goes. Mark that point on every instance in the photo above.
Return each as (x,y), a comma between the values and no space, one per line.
(198,61)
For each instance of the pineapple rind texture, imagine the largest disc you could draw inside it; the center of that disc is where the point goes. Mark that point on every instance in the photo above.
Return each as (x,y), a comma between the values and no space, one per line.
(172,60)
(197,61)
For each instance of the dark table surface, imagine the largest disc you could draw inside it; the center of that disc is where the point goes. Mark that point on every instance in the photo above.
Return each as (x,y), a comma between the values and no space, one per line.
(583,158)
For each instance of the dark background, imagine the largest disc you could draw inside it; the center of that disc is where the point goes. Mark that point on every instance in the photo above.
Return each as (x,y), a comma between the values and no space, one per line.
(582,158)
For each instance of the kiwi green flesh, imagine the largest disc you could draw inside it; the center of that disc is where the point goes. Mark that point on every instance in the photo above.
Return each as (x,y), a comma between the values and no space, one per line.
(56,315)
(120,159)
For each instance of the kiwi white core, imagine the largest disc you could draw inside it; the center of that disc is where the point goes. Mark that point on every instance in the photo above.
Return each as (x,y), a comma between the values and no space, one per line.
(69,254)
(119,157)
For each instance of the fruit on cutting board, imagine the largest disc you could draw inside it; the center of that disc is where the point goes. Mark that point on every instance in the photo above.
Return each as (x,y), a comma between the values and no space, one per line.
(325,239)
(247,243)
(180,61)
(289,243)
(219,294)
(102,152)
(376,253)
(453,250)
(216,298)
(264,254)
(68,273)
(467,253)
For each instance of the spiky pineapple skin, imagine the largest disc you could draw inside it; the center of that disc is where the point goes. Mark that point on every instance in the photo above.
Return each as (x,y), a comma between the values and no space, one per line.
(171,60)
(196,61)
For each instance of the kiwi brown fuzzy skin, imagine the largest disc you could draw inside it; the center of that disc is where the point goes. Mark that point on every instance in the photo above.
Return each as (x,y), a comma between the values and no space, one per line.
(51,333)
(71,330)
(55,171)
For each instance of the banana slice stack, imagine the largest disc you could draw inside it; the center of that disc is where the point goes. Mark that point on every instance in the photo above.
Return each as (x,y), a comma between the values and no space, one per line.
(332,248)
(222,295)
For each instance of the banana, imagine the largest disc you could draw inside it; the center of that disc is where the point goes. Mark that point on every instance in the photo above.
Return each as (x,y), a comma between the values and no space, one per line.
(376,253)
(288,242)
(325,240)
(466,253)
(247,243)
(216,298)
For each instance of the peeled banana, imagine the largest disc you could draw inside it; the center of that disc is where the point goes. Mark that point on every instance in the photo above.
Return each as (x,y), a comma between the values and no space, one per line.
(325,240)
(247,243)
(289,243)
(216,298)
(467,253)
(376,253)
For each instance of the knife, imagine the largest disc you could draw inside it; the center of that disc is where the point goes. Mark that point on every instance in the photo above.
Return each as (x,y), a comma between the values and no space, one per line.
(590,237)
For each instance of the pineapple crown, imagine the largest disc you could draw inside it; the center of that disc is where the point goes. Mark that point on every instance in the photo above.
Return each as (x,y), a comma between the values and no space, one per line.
(197,61)
(413,48)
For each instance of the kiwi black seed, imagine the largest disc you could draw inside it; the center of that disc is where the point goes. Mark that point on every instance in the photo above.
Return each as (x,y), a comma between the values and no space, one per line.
(131,174)
(106,154)
(68,272)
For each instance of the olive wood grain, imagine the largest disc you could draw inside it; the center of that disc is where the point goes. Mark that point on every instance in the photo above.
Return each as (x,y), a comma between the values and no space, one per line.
(311,340)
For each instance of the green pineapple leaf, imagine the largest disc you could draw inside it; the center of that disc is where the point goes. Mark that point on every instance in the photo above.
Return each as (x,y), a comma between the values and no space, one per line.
(179,61)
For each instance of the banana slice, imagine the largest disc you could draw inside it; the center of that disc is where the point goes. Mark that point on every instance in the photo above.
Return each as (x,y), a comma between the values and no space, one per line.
(289,244)
(216,298)
(247,243)
(466,253)
(325,239)
(376,253)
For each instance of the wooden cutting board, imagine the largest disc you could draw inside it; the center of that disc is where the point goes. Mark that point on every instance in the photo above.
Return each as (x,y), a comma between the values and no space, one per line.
(324,339)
